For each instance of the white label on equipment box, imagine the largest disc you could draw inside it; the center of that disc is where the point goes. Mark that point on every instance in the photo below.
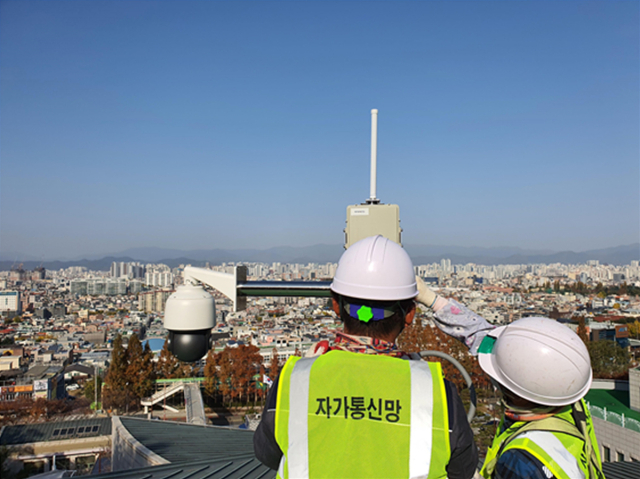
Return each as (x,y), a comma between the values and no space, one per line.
(360,212)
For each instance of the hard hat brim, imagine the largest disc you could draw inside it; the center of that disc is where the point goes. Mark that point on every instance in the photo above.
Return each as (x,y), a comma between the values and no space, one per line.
(374,293)
(486,359)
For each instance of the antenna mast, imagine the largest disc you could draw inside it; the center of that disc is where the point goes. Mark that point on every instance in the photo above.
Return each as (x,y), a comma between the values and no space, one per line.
(374,157)
(372,217)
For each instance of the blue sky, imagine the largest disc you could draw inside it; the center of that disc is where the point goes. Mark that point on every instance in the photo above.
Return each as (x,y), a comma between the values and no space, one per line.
(185,124)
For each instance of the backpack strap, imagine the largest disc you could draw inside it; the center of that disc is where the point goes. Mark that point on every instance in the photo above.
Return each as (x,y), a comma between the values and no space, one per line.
(579,416)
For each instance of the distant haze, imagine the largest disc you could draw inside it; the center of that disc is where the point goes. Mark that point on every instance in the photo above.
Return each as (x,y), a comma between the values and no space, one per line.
(331,253)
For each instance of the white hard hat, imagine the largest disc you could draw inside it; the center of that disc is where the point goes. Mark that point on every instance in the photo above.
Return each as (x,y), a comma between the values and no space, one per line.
(375,268)
(539,360)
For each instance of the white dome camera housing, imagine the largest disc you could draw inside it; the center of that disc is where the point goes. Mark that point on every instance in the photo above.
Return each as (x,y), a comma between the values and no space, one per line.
(189,315)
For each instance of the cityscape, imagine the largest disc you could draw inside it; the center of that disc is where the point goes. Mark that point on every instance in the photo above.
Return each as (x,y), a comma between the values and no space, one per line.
(174,178)
(63,332)
(75,313)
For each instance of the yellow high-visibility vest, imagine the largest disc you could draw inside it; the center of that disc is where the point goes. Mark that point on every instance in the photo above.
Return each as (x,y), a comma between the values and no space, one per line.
(353,415)
(557,442)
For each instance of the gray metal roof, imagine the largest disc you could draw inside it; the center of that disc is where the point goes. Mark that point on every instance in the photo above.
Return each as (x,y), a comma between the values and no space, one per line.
(43,371)
(248,467)
(81,368)
(55,431)
(239,467)
(178,442)
(621,470)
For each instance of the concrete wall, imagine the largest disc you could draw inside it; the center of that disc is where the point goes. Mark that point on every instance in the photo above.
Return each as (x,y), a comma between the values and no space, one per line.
(618,439)
(127,452)
(9,362)
(67,447)
(634,389)
(610,384)
(45,451)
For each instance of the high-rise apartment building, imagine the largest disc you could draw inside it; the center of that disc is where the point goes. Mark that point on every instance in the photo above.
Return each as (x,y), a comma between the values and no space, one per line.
(10,302)
(78,286)
(98,287)
(127,270)
(164,279)
(38,274)
(153,301)
(445,265)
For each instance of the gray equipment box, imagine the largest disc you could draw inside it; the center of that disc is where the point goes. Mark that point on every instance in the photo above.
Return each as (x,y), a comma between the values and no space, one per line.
(372,219)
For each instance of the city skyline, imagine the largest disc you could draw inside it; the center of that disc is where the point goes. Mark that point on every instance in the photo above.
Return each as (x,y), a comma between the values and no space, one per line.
(324,254)
(204,125)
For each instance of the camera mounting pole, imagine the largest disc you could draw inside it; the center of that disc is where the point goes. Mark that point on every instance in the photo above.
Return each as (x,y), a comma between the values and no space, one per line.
(236,287)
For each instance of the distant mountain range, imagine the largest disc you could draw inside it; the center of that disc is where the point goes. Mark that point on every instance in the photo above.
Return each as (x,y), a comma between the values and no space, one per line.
(420,254)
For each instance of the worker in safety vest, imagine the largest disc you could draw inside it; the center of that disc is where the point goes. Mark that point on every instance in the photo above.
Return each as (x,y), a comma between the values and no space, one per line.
(543,370)
(357,406)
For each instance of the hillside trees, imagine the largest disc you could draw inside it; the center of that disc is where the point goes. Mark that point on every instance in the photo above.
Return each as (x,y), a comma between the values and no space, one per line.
(211,376)
(130,375)
(229,373)
(423,337)
(140,371)
(245,362)
(115,393)
(608,360)
(582,330)
(274,365)
(225,371)
(634,329)
(170,367)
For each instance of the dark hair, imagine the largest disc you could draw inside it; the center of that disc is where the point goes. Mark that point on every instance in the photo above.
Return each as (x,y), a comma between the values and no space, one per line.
(375,329)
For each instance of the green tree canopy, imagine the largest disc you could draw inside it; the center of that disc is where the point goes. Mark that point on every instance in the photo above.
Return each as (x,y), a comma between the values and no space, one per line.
(608,360)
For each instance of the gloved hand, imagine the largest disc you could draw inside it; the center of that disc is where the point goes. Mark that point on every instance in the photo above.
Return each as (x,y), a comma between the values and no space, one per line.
(426,295)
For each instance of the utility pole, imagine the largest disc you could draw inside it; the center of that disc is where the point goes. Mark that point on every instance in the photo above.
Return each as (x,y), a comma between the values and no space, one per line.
(95,387)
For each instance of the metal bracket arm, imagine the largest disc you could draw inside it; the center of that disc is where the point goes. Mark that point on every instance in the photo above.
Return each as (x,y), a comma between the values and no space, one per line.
(236,287)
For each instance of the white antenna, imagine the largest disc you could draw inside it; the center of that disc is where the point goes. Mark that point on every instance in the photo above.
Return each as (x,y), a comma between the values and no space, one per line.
(374,156)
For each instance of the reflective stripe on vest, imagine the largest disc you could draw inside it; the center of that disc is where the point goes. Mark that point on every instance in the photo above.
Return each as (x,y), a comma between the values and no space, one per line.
(552,448)
(421,419)
(298,412)
(356,415)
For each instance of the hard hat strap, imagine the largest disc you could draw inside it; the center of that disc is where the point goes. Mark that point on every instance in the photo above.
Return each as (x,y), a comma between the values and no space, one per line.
(580,418)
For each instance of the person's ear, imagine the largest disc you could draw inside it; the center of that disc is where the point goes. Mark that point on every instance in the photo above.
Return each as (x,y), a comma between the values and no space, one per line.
(410,315)
(336,306)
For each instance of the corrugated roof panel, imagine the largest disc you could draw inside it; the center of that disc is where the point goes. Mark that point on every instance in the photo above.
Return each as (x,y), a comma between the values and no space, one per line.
(248,467)
(55,431)
(240,467)
(169,439)
(621,470)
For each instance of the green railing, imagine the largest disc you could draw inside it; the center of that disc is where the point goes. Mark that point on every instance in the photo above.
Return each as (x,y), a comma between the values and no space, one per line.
(614,418)
(179,380)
